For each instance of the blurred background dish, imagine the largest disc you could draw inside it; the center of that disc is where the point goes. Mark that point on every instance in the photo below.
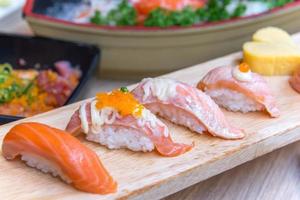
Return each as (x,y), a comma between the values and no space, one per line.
(136,51)
(156,13)
(9,9)
(38,57)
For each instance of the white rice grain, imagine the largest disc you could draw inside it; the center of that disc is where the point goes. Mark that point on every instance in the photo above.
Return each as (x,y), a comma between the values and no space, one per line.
(44,165)
(234,101)
(119,137)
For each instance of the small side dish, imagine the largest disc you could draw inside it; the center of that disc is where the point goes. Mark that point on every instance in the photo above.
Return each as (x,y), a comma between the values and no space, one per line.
(29,92)
(272,52)
(159,13)
(116,120)
(56,152)
(239,89)
(185,105)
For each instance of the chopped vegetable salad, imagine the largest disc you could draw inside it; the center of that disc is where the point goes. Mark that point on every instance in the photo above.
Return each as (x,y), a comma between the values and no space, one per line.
(28,92)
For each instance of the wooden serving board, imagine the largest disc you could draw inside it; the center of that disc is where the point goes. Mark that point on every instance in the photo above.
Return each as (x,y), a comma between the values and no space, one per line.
(150,176)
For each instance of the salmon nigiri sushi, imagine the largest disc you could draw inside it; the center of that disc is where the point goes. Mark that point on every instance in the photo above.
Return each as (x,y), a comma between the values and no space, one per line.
(185,105)
(54,151)
(239,89)
(116,120)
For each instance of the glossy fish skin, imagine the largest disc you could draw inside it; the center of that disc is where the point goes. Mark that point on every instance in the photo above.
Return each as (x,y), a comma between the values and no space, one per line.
(256,89)
(74,162)
(156,130)
(168,94)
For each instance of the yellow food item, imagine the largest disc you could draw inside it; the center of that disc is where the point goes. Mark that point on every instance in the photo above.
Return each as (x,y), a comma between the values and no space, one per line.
(272,52)
(271,59)
(272,34)
(123,102)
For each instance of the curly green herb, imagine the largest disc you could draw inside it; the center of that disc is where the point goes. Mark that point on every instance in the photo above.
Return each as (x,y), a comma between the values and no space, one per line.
(97,18)
(124,89)
(214,10)
(124,15)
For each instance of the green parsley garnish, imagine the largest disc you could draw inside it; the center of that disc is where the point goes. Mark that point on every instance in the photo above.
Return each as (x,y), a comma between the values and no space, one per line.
(124,89)
(214,10)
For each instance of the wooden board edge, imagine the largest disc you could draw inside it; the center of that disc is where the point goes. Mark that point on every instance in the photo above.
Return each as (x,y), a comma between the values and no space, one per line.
(158,190)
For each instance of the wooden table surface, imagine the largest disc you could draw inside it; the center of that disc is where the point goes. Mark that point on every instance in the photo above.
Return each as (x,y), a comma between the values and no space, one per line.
(274,176)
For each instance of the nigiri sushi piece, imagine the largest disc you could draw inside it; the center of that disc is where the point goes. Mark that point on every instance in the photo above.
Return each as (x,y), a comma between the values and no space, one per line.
(185,105)
(56,152)
(239,89)
(116,120)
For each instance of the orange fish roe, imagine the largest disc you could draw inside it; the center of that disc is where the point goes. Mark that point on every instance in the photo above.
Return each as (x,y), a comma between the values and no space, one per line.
(123,102)
(244,67)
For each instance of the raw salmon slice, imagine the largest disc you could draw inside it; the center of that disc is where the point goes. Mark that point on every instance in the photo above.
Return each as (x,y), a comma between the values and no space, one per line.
(185,105)
(57,152)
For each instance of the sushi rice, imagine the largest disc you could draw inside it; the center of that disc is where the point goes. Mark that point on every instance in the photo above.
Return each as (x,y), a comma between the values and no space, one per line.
(117,137)
(234,101)
(44,165)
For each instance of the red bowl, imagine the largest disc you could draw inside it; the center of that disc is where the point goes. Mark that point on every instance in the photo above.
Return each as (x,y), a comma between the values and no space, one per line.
(138,51)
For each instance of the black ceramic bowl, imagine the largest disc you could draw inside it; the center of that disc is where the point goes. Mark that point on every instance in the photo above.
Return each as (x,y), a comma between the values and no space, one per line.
(44,52)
